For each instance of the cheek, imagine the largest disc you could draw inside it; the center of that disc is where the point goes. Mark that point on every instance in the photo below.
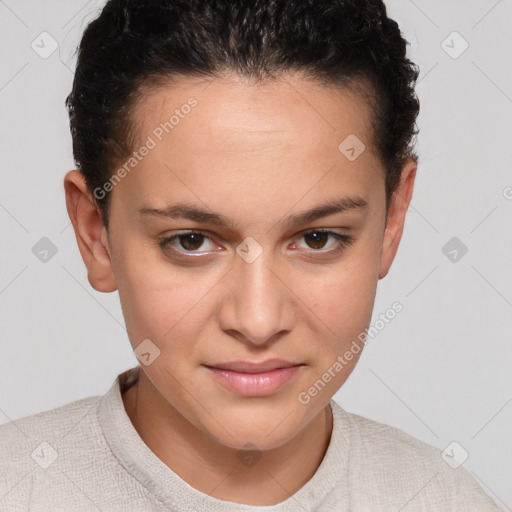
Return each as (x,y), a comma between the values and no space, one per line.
(344,297)
(342,311)
(159,301)
(340,305)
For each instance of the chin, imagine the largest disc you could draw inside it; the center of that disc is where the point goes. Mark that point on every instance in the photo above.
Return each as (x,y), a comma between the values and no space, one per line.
(251,440)
(265,429)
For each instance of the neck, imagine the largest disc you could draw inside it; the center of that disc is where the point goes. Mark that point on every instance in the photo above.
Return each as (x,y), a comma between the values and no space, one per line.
(184,448)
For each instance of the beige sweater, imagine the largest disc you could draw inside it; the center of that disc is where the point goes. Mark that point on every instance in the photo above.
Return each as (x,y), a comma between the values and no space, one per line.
(87,456)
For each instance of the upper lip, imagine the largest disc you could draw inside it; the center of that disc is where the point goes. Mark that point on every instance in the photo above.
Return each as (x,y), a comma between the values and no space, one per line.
(254,367)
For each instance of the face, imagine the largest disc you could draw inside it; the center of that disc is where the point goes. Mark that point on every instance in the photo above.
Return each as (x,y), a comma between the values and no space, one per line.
(252,277)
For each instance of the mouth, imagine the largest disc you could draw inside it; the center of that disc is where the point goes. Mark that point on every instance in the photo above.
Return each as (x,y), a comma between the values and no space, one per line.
(254,379)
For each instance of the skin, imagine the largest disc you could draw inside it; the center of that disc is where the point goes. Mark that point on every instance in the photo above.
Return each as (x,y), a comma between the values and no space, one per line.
(255,154)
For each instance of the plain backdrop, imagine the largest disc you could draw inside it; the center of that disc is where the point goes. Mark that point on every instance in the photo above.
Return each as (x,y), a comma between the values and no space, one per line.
(440,371)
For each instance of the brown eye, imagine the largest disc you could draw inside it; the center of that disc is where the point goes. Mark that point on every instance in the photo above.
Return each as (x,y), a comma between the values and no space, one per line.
(323,243)
(191,241)
(318,239)
(185,243)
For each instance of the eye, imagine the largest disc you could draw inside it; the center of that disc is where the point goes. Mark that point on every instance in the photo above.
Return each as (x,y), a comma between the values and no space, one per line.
(317,239)
(188,242)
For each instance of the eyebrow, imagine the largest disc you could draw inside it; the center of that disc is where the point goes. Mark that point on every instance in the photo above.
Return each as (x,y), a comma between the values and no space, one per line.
(194,213)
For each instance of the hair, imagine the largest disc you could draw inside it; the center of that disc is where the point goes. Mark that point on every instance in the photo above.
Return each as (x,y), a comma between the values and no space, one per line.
(134,45)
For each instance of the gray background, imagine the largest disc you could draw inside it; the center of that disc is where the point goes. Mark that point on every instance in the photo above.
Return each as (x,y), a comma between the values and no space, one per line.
(440,371)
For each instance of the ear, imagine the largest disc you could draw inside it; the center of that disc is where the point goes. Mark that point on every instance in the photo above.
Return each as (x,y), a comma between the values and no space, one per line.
(90,233)
(396,216)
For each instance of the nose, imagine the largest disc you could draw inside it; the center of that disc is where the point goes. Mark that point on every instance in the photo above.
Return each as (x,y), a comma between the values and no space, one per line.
(260,305)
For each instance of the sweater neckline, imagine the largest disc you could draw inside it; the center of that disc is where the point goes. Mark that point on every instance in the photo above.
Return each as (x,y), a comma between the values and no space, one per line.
(138,459)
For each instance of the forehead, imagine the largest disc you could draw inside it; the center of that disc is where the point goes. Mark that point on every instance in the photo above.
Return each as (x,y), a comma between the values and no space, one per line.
(252,138)
(241,113)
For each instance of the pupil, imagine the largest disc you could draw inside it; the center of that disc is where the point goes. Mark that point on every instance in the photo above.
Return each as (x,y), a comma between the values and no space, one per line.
(194,245)
(318,237)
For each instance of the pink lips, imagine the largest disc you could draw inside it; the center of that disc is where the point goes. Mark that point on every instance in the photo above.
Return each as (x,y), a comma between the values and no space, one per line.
(254,379)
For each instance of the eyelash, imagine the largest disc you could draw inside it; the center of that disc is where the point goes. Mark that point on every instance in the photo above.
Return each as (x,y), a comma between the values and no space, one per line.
(342,241)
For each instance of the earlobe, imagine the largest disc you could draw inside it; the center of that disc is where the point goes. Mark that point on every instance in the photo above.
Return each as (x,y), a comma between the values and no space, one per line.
(396,217)
(90,232)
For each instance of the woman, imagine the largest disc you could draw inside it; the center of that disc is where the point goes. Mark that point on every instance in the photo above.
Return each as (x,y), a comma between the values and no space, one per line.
(244,172)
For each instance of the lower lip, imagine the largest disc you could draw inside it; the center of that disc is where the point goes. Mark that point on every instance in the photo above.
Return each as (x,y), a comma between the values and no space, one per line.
(255,384)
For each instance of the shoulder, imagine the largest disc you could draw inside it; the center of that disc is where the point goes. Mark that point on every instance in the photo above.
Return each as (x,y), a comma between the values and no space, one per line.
(396,469)
(38,440)
(55,423)
(61,460)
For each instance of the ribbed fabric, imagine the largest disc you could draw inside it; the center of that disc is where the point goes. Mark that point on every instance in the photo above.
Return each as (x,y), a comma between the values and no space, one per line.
(93,459)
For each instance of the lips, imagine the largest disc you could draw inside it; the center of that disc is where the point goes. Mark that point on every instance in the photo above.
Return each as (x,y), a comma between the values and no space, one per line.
(254,379)
(254,367)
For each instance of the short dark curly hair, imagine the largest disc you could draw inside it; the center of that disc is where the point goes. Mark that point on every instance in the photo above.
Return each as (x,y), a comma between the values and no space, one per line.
(137,43)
